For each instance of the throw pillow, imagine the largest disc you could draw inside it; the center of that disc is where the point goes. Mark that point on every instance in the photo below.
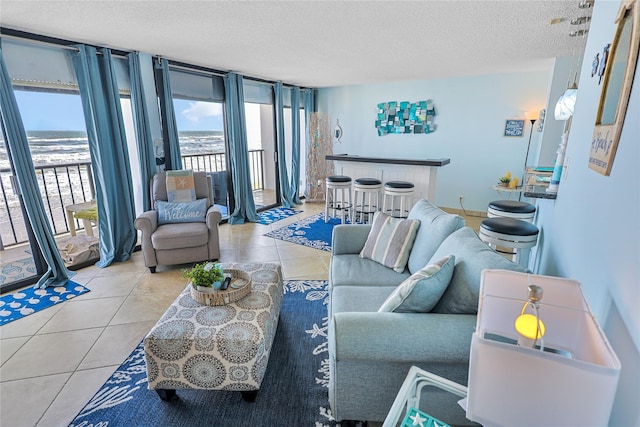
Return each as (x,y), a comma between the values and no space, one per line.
(180,186)
(472,255)
(422,291)
(390,240)
(169,213)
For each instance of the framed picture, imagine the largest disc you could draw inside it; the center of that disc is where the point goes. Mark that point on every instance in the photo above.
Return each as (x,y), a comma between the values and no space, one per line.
(616,90)
(513,127)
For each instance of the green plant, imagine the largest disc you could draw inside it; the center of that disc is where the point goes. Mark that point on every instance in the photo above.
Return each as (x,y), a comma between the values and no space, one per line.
(505,180)
(205,274)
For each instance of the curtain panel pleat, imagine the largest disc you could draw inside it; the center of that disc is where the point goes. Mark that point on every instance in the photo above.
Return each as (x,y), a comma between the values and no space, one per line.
(309,108)
(170,128)
(244,205)
(144,138)
(283,178)
(108,149)
(56,274)
(295,145)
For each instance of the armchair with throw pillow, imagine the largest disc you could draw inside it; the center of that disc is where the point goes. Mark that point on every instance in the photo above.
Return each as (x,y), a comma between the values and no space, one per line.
(403,293)
(183,225)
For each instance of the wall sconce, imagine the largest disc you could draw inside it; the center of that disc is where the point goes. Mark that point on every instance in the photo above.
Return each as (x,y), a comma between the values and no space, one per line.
(337,131)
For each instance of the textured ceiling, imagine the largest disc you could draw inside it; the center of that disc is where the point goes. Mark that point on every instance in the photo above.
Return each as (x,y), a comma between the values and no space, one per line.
(319,43)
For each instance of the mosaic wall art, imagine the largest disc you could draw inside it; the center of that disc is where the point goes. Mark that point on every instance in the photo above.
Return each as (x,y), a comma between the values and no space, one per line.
(405,117)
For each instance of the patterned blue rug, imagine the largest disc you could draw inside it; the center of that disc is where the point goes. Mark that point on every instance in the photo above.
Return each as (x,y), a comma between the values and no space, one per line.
(312,232)
(276,214)
(293,391)
(27,301)
(16,270)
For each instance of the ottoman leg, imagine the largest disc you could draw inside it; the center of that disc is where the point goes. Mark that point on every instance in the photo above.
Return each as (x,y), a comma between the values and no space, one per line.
(165,393)
(249,396)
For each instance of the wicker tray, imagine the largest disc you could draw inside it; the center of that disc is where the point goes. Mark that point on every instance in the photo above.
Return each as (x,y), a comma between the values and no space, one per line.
(239,287)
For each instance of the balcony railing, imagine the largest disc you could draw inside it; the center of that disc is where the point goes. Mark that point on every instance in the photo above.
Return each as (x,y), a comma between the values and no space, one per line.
(69,183)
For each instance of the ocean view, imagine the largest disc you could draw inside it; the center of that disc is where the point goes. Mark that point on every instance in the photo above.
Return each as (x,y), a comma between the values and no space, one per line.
(51,147)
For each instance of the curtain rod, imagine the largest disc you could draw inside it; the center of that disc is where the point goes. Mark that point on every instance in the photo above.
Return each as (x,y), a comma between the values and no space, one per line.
(68,44)
(51,41)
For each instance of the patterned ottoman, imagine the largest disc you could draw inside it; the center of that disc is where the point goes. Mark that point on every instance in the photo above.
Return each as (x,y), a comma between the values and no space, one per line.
(226,347)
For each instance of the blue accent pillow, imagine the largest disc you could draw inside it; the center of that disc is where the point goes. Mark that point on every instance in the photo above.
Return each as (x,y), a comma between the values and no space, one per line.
(169,213)
(422,291)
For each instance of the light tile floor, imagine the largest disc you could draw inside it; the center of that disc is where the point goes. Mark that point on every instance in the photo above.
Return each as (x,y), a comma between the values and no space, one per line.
(53,361)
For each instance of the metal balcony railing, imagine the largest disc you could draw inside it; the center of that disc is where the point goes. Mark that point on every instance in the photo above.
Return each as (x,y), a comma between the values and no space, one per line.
(69,183)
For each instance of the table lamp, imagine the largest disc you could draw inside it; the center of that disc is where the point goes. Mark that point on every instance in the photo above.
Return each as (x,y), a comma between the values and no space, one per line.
(538,360)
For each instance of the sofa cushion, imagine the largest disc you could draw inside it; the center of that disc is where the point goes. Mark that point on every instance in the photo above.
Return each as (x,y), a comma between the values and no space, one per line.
(180,186)
(180,236)
(351,270)
(435,226)
(390,240)
(358,299)
(472,256)
(420,292)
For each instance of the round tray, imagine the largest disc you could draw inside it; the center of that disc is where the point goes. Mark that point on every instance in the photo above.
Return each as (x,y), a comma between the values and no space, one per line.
(239,287)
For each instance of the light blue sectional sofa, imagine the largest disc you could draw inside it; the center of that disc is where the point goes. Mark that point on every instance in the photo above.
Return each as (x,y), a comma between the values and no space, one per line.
(370,352)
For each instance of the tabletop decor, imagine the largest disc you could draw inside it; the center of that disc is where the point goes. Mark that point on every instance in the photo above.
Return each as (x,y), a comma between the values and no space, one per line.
(558,370)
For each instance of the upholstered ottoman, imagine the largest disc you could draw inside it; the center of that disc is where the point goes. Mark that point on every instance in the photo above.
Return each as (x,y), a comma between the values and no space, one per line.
(195,346)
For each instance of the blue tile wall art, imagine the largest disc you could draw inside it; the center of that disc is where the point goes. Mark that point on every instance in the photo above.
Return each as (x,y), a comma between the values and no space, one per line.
(405,117)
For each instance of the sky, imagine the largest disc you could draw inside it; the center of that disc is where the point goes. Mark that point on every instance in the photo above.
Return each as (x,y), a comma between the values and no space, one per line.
(56,111)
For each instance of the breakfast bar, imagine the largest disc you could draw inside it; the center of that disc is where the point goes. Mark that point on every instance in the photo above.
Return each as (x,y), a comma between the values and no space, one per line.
(421,172)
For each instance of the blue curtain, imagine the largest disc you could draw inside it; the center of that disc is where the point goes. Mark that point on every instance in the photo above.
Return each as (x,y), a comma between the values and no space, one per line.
(108,148)
(295,145)
(309,108)
(56,274)
(169,117)
(285,189)
(146,155)
(244,206)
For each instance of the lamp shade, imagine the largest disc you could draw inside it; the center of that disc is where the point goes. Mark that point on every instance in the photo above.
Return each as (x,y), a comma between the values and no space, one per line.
(566,104)
(572,382)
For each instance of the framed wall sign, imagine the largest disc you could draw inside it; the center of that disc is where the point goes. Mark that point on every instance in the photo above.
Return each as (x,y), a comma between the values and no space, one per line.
(616,89)
(513,127)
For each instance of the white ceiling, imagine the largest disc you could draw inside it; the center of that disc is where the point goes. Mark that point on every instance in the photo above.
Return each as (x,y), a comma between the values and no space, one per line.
(319,43)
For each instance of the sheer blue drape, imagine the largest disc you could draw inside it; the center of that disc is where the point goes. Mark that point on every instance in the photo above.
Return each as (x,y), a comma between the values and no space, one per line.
(309,108)
(245,208)
(146,155)
(285,189)
(169,117)
(56,274)
(109,157)
(295,145)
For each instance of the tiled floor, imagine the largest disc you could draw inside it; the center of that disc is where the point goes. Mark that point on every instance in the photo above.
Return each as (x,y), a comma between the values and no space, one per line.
(53,361)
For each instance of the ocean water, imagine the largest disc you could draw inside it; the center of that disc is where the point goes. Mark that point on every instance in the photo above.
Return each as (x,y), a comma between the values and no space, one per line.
(53,147)
(50,148)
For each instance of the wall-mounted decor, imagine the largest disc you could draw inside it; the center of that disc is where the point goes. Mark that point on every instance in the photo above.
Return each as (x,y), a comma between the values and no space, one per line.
(513,127)
(405,117)
(616,89)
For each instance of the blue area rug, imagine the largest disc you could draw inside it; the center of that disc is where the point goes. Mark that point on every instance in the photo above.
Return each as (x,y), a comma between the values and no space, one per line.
(16,270)
(276,214)
(293,391)
(27,301)
(312,232)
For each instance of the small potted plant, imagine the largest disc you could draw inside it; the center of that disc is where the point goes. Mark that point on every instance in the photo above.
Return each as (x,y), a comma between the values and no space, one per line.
(505,180)
(205,277)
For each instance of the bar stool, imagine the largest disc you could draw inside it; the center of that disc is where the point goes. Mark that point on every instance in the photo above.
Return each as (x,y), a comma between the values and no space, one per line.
(336,200)
(366,189)
(510,233)
(398,191)
(511,209)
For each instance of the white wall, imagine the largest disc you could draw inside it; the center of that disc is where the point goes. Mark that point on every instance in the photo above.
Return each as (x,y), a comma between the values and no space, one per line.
(591,232)
(470,119)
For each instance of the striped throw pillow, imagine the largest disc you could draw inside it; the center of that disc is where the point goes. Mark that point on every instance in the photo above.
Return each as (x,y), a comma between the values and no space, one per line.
(390,240)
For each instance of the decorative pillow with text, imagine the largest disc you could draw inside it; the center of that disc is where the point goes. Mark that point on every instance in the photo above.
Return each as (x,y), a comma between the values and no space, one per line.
(169,213)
